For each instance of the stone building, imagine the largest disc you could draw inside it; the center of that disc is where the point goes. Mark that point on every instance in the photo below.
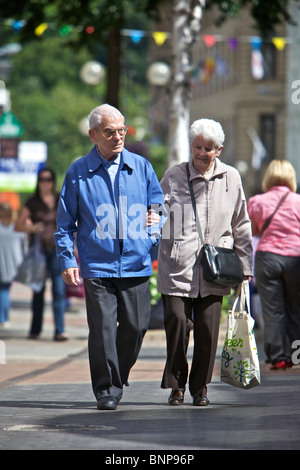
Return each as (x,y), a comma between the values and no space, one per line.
(251,88)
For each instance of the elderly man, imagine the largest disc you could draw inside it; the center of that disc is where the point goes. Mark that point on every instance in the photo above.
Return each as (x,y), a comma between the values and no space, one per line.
(112,199)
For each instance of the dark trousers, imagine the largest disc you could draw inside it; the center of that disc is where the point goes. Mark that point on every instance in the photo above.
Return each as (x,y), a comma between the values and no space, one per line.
(181,315)
(278,285)
(58,298)
(118,313)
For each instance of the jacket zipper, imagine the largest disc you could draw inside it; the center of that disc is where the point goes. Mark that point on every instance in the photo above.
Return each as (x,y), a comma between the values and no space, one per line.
(206,225)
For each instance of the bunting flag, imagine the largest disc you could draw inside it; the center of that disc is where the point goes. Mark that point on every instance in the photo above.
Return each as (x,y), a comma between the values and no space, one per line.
(279,43)
(233,43)
(257,59)
(209,40)
(256,43)
(207,70)
(257,66)
(41,29)
(159,37)
(136,36)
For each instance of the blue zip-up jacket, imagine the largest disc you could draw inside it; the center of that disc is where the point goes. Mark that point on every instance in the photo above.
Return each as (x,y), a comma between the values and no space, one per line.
(112,240)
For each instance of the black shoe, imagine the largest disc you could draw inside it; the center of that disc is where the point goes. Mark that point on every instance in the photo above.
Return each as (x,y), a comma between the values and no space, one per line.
(107,402)
(176,397)
(200,401)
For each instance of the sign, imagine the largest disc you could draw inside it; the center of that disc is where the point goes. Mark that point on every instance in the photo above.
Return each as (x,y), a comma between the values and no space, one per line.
(10,127)
(9,148)
(32,151)
(18,176)
(20,161)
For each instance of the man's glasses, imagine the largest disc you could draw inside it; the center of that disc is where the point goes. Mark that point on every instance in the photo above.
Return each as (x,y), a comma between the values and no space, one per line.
(112,132)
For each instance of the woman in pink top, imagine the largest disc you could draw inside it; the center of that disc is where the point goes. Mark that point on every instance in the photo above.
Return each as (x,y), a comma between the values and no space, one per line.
(277,260)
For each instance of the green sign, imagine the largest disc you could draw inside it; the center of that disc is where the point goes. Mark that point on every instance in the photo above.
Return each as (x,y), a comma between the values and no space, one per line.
(10,127)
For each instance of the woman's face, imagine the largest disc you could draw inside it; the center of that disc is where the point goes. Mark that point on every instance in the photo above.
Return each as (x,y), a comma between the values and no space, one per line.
(45,180)
(204,153)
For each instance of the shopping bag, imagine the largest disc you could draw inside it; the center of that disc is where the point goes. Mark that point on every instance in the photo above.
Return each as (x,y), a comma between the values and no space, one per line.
(240,361)
(33,269)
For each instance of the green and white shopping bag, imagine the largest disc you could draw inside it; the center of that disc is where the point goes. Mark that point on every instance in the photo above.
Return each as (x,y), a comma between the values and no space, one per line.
(240,362)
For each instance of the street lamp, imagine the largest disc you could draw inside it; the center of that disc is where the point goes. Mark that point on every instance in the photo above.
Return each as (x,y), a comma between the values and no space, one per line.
(92,72)
(159,73)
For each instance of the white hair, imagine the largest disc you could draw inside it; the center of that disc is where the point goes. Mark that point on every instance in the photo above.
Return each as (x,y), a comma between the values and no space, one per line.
(96,115)
(209,130)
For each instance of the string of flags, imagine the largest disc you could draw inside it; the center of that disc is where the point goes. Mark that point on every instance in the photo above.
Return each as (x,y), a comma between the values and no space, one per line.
(159,37)
(212,63)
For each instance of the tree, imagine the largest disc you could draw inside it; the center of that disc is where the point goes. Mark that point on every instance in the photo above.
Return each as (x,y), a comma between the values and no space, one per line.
(186,21)
(107,18)
(94,21)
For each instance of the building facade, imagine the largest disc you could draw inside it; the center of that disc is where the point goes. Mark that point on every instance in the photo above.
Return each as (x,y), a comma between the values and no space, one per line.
(250,86)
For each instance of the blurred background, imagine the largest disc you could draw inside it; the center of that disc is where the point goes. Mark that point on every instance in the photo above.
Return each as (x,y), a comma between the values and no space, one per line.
(240,66)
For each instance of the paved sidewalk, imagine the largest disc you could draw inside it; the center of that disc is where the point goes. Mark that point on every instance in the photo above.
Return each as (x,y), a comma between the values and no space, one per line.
(46,401)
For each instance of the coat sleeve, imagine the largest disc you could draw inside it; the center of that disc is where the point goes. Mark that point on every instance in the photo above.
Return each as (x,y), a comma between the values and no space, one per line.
(241,227)
(156,202)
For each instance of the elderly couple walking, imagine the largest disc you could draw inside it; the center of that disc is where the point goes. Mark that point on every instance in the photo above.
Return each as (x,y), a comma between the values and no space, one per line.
(112,200)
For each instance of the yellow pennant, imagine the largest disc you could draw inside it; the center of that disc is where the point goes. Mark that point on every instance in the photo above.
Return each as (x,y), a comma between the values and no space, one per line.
(159,37)
(39,30)
(279,43)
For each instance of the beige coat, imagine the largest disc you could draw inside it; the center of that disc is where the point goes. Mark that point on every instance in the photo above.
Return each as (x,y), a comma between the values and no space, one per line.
(224,221)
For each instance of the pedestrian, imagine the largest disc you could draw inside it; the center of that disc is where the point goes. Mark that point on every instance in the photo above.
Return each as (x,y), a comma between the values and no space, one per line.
(11,255)
(277,260)
(106,199)
(189,302)
(38,217)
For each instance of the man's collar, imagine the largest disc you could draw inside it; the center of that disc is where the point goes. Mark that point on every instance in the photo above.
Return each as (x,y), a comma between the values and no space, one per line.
(96,160)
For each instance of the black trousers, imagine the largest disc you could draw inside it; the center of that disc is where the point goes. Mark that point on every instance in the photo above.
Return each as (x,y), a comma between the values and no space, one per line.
(181,315)
(118,314)
(278,285)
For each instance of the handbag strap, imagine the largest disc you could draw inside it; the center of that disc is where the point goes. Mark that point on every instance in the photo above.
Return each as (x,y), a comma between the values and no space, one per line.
(268,221)
(243,296)
(194,202)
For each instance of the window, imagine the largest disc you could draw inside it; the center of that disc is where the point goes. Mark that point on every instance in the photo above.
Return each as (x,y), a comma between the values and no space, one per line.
(267,134)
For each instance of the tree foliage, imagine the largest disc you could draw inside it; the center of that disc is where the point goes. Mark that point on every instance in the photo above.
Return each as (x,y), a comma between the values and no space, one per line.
(267,14)
(46,91)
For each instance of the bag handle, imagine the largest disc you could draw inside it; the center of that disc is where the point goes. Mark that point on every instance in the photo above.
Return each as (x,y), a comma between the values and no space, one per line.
(268,221)
(194,203)
(243,295)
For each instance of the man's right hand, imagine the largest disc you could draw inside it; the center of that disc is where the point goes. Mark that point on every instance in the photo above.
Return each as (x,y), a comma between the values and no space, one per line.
(71,276)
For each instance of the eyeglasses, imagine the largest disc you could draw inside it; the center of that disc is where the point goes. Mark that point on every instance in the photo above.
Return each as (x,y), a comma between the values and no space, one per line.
(45,180)
(112,132)
(206,149)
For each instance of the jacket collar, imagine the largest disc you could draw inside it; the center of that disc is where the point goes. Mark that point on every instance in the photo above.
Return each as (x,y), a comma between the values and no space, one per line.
(94,162)
(220,169)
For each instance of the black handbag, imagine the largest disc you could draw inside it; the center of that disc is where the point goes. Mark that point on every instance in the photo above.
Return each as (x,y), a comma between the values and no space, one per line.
(220,265)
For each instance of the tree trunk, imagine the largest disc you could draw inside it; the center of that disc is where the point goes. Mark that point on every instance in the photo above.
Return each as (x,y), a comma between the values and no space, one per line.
(186,25)
(113,66)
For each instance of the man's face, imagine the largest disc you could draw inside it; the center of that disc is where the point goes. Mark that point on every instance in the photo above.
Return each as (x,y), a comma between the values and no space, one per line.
(109,137)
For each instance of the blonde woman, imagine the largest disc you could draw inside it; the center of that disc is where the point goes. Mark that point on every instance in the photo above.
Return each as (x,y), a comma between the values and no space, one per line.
(277,260)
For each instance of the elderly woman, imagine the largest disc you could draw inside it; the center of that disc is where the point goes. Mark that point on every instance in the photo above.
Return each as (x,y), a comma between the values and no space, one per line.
(277,260)
(188,300)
